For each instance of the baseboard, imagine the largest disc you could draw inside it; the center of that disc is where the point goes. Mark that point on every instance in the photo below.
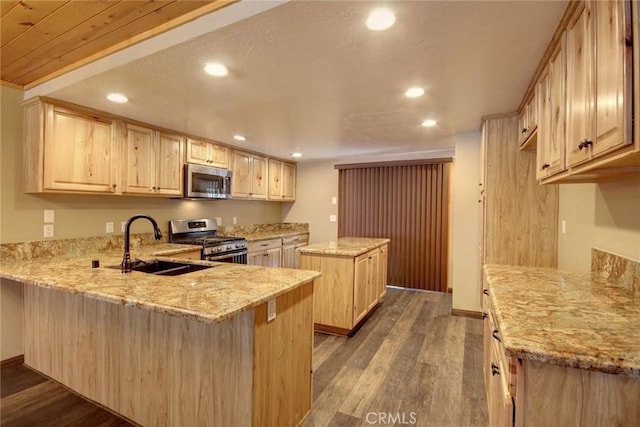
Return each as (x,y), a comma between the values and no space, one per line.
(466,313)
(18,360)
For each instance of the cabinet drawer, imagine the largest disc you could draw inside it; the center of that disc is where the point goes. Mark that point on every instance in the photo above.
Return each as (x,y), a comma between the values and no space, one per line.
(297,240)
(263,245)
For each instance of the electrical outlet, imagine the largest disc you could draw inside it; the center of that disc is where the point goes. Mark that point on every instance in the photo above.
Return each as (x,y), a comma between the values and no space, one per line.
(218,220)
(271,310)
(235,220)
(333,218)
(334,200)
(109,227)
(123,225)
(47,230)
(48,216)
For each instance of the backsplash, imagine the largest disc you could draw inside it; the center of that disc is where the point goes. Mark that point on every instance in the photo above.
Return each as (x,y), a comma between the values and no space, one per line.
(79,246)
(624,271)
(251,229)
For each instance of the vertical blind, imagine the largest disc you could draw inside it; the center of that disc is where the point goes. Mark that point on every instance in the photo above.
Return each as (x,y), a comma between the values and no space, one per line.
(408,204)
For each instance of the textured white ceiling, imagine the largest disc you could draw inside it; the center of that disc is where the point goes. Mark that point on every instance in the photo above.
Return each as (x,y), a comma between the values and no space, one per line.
(309,76)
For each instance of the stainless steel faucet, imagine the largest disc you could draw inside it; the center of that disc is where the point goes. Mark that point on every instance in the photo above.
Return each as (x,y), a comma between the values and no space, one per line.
(126,259)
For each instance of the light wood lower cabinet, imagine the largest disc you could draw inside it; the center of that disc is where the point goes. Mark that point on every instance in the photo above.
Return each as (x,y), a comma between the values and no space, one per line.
(267,253)
(348,289)
(290,256)
(157,369)
(525,393)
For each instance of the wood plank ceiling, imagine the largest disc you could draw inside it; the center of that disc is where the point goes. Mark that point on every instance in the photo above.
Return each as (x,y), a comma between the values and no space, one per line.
(41,40)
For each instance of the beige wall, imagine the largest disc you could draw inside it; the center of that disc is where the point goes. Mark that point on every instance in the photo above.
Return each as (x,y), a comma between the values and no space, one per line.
(465,232)
(317,183)
(604,215)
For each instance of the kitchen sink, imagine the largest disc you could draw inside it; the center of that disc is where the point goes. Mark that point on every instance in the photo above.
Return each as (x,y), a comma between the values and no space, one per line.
(164,268)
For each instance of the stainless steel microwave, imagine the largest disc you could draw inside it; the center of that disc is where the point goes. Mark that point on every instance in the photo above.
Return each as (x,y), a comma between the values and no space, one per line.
(205,182)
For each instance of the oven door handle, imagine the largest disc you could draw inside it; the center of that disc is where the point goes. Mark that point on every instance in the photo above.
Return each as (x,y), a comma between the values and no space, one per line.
(225,256)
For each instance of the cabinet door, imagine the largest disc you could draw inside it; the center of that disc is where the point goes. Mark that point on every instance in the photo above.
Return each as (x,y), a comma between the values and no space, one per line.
(557,116)
(241,175)
(499,399)
(275,180)
(272,257)
(383,271)
(374,278)
(360,288)
(140,160)
(579,85)
(289,257)
(79,152)
(198,152)
(256,258)
(612,75)
(532,110)
(522,125)
(288,182)
(219,156)
(259,177)
(169,177)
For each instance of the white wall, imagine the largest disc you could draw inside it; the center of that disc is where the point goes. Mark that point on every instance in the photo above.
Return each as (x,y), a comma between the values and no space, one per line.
(604,215)
(466,217)
(317,183)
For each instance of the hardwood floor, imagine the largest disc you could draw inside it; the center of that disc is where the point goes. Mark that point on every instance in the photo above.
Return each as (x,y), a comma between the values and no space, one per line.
(412,363)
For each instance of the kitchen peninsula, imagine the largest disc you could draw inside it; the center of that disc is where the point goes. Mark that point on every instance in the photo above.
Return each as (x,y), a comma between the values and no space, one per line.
(195,349)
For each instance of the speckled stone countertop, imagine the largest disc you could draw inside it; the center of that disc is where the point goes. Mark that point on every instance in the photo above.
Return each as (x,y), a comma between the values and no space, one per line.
(257,232)
(579,320)
(208,296)
(346,246)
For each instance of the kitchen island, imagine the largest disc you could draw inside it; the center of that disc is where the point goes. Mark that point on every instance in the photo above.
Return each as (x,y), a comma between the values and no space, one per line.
(195,349)
(561,348)
(353,282)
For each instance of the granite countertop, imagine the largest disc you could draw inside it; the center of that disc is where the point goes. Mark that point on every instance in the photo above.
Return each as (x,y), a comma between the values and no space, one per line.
(578,320)
(347,246)
(266,235)
(208,296)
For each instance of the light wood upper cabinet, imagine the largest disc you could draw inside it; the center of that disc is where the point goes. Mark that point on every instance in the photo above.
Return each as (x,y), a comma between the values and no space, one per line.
(68,151)
(207,153)
(551,116)
(249,176)
(598,141)
(613,75)
(580,93)
(282,181)
(153,161)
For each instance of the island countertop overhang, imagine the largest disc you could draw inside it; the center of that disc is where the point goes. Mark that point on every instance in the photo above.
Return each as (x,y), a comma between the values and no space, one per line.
(208,296)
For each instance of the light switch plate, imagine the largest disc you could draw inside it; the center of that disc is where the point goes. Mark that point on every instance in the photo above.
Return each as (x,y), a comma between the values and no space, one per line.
(564,226)
(235,220)
(334,200)
(48,216)
(333,218)
(47,230)
(123,225)
(271,310)
(218,220)
(109,227)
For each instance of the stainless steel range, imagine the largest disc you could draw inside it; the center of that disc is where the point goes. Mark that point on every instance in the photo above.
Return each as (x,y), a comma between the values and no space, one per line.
(214,248)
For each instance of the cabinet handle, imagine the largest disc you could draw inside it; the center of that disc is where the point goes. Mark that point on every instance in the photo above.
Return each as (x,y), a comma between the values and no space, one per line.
(494,334)
(546,166)
(524,130)
(485,291)
(584,144)
(485,316)
(495,370)
(264,244)
(114,186)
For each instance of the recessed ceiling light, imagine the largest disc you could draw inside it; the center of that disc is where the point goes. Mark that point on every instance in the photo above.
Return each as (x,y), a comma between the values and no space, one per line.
(239,138)
(380,19)
(117,97)
(429,123)
(216,69)
(296,154)
(414,92)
